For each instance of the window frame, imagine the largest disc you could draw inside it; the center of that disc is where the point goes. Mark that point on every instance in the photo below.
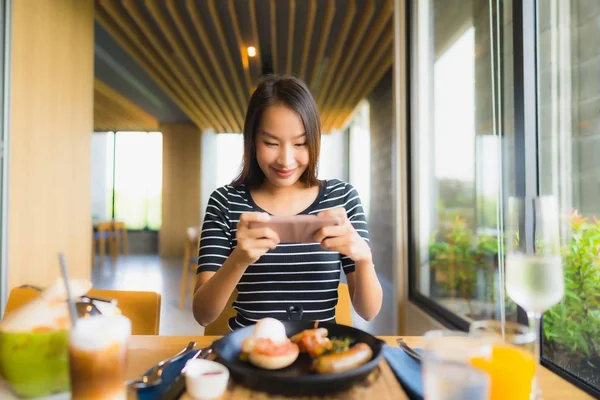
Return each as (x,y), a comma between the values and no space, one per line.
(525,46)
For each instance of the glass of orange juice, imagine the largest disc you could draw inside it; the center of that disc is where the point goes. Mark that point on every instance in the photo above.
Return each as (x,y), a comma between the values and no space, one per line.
(509,359)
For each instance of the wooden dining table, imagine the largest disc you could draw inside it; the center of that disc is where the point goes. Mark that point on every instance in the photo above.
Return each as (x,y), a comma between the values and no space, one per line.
(145,351)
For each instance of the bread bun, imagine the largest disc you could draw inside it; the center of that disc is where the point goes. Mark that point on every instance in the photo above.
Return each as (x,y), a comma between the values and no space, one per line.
(277,361)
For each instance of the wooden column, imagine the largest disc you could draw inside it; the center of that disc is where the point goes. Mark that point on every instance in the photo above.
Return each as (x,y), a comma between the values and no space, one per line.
(181,186)
(51,120)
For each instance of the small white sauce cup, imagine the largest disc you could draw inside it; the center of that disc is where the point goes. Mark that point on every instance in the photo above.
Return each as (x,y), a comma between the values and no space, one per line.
(203,382)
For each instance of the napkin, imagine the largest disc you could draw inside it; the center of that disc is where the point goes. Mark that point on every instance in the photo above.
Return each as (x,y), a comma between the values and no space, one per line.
(169,374)
(407,371)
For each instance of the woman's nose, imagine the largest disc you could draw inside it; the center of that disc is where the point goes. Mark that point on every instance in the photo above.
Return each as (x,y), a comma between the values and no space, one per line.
(286,156)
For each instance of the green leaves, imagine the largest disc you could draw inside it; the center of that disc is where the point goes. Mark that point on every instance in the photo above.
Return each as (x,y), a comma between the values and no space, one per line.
(458,253)
(574,324)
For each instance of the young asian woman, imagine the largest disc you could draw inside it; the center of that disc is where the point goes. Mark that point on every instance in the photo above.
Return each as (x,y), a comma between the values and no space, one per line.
(282,135)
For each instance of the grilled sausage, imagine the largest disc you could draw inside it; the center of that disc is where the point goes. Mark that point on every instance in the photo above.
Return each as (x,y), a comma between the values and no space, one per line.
(339,362)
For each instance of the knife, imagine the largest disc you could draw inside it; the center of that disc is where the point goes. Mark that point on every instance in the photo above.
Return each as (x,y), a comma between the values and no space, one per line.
(177,388)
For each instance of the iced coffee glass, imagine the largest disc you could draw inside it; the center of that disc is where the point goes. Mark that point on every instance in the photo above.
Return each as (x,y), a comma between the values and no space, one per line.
(97,350)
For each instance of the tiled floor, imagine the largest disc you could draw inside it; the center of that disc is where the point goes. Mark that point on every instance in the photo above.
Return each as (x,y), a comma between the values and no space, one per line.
(163,275)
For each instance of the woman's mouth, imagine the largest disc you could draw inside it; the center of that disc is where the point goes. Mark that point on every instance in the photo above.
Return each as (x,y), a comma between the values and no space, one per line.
(284,173)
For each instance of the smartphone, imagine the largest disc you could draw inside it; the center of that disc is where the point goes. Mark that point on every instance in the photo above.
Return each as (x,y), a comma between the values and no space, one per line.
(296,228)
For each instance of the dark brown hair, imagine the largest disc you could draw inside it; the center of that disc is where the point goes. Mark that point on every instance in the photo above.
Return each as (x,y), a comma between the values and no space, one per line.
(293,93)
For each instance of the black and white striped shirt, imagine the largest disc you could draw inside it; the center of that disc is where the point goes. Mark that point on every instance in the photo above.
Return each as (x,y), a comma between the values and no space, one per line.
(291,274)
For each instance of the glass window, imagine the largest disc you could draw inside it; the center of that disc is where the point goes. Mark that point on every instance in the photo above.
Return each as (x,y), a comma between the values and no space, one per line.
(467,158)
(102,156)
(569,167)
(359,165)
(127,178)
(333,160)
(458,153)
(228,168)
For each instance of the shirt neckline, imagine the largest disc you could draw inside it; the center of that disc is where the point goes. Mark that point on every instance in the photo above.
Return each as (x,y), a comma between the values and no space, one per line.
(313,206)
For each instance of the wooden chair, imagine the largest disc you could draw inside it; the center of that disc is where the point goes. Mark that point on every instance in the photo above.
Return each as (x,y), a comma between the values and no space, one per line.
(142,308)
(101,237)
(120,237)
(343,309)
(343,313)
(190,258)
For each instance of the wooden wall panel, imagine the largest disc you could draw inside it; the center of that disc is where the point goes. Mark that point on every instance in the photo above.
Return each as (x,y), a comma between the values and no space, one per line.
(51,121)
(181,186)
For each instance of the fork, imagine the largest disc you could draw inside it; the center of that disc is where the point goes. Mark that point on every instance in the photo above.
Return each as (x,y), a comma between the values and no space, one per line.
(153,376)
(408,350)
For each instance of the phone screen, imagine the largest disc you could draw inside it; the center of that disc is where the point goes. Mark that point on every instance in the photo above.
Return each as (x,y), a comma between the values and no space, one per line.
(297,228)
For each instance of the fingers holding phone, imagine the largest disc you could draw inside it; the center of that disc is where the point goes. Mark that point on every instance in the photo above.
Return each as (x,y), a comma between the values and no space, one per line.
(252,243)
(342,238)
(343,228)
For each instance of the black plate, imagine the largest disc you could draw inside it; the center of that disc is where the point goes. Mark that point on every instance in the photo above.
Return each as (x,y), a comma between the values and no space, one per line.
(297,378)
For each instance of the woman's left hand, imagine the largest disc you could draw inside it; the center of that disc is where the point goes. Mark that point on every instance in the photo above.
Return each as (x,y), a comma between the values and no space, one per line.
(342,238)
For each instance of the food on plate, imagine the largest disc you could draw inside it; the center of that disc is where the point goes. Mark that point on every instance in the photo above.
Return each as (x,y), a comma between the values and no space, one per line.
(354,357)
(269,347)
(339,345)
(331,355)
(313,341)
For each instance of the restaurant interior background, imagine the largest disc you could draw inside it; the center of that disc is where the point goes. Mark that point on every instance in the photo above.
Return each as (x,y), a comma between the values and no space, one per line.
(436,110)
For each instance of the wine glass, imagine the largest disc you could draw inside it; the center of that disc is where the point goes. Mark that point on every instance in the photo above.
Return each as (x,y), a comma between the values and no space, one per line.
(534,270)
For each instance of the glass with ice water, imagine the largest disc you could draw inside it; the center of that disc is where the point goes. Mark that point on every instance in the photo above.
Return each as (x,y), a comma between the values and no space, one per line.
(534,270)
(447,372)
(97,351)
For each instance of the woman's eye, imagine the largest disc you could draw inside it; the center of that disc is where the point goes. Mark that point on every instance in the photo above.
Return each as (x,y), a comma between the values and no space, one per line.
(270,144)
(300,144)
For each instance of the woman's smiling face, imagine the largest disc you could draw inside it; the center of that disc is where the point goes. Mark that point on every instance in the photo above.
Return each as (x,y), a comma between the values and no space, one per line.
(281,150)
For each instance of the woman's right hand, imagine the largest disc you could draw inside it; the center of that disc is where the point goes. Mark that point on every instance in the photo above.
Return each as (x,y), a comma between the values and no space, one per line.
(253,243)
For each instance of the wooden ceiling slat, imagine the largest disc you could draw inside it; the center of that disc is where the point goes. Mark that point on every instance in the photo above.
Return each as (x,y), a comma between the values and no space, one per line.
(156,72)
(383,45)
(198,69)
(108,119)
(110,99)
(367,83)
(200,98)
(337,50)
(312,11)
(217,66)
(361,72)
(150,53)
(117,99)
(323,40)
(290,43)
(242,94)
(273,31)
(113,111)
(211,95)
(384,67)
(215,101)
(355,40)
(255,36)
(380,30)
(240,46)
